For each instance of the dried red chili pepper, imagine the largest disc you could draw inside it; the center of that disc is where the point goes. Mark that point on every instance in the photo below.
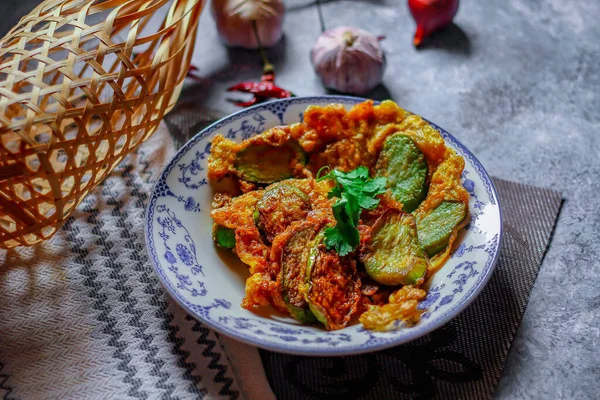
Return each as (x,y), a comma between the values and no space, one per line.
(192,73)
(262,91)
(266,88)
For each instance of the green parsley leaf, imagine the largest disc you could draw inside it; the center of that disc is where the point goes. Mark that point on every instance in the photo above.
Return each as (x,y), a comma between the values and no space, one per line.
(335,192)
(355,191)
(375,186)
(343,238)
(367,203)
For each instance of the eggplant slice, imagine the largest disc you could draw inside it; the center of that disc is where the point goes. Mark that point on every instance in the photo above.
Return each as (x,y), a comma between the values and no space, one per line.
(265,164)
(280,205)
(333,286)
(294,259)
(394,256)
(405,168)
(436,229)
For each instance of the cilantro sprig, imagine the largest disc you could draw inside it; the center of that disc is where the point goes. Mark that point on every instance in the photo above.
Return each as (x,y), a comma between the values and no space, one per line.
(355,191)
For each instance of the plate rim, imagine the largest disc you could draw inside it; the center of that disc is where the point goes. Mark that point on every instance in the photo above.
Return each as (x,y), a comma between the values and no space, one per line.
(342,350)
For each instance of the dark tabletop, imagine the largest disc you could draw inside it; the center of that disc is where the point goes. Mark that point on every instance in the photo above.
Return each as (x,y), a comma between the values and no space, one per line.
(518,82)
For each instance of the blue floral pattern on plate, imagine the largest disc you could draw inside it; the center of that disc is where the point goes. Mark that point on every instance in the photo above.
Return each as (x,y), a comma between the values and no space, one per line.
(179,229)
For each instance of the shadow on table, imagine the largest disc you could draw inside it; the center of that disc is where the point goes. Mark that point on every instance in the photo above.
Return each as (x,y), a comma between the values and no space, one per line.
(451,39)
(309,4)
(379,93)
(242,65)
(275,54)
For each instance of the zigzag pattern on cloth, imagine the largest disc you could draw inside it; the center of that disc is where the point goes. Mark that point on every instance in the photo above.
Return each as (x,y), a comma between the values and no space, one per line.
(215,354)
(84,316)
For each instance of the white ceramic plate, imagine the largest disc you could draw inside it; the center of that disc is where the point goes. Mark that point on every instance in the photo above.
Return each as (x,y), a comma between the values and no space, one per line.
(209,283)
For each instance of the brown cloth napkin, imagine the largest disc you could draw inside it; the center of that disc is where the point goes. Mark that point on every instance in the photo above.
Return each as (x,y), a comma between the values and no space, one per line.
(463,359)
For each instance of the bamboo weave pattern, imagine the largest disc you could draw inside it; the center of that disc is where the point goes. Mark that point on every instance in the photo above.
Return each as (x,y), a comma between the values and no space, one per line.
(82,83)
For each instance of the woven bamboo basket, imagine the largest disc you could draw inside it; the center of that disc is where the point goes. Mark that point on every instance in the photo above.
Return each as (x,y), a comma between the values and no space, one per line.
(82,83)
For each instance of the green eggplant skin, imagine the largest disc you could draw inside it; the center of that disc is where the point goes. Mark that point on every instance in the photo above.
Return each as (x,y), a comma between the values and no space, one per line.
(294,258)
(313,252)
(436,228)
(266,164)
(394,256)
(332,286)
(405,168)
(224,237)
(280,205)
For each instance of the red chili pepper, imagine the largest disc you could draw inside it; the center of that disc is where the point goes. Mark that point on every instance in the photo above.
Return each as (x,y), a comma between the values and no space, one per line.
(262,91)
(431,15)
(192,73)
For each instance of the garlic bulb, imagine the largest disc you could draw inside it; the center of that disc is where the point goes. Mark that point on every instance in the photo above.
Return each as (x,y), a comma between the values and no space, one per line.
(234,21)
(349,60)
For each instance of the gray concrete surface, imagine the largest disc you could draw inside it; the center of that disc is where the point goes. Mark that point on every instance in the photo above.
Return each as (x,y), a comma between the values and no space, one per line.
(517,81)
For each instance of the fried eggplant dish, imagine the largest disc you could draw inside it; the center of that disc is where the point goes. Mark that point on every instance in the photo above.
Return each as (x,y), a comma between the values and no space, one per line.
(342,216)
